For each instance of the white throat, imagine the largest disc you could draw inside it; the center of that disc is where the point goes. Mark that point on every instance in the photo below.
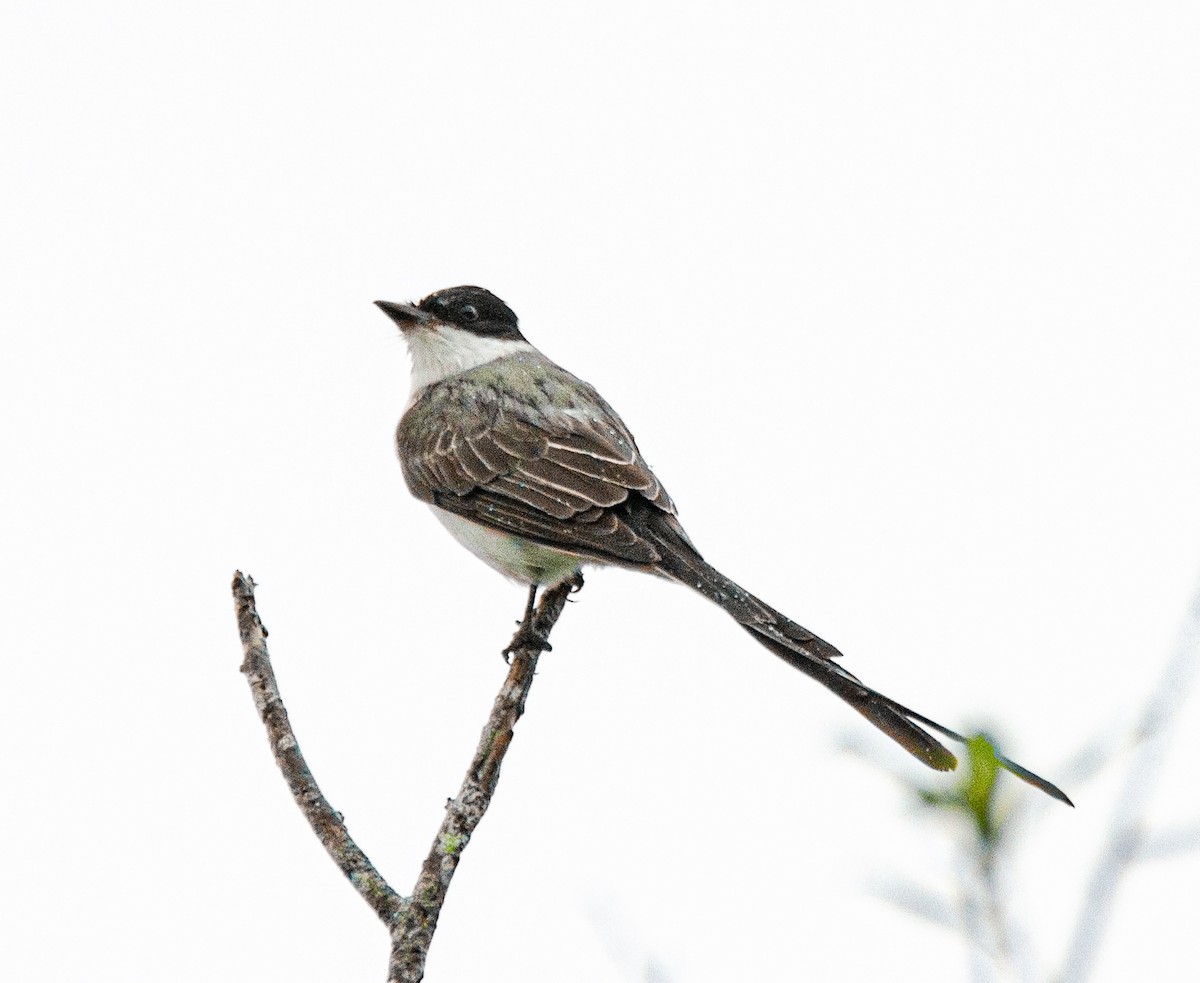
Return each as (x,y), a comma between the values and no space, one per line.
(442,351)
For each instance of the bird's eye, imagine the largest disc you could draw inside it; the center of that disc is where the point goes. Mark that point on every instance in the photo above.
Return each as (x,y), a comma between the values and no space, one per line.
(468,312)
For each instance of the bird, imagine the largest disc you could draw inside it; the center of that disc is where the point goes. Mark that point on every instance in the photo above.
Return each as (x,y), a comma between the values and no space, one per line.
(530,469)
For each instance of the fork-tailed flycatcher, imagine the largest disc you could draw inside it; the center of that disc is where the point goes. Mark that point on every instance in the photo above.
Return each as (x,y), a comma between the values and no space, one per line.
(532,471)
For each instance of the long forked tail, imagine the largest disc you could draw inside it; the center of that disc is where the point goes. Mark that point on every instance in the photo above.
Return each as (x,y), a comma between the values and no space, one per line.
(813,655)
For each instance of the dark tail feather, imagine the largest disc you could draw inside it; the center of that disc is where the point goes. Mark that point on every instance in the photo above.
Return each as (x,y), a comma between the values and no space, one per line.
(813,656)
(1017,770)
(874,706)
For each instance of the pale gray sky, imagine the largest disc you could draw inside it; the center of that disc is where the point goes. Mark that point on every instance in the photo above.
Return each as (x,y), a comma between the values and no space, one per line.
(928,274)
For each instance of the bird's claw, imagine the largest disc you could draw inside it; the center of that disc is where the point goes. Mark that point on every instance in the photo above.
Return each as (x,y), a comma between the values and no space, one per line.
(527,637)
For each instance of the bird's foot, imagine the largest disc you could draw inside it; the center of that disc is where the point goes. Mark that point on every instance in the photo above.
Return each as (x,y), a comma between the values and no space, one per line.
(527,637)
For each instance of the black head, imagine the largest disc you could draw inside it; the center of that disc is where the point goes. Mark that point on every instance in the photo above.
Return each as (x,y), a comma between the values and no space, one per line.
(470,308)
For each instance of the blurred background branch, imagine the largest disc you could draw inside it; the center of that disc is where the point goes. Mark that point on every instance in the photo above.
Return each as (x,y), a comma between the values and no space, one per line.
(993,826)
(1127,839)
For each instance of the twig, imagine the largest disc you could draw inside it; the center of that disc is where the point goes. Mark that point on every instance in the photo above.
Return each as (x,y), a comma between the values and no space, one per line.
(325,821)
(411,921)
(414,930)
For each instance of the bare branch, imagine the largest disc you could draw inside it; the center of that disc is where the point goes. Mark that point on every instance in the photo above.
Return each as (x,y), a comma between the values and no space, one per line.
(411,921)
(325,821)
(414,931)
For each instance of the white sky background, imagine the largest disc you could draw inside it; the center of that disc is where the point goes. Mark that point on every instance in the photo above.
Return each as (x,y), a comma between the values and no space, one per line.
(902,306)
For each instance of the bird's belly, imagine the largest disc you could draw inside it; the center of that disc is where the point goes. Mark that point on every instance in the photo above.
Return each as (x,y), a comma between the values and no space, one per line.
(517,558)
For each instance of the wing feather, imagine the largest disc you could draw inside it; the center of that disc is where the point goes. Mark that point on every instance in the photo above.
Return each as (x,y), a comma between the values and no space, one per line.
(467,463)
(599,534)
(626,475)
(495,457)
(592,489)
(521,440)
(593,445)
(559,504)
(535,452)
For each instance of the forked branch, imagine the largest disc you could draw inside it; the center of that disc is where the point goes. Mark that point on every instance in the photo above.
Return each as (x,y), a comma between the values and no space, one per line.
(411,921)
